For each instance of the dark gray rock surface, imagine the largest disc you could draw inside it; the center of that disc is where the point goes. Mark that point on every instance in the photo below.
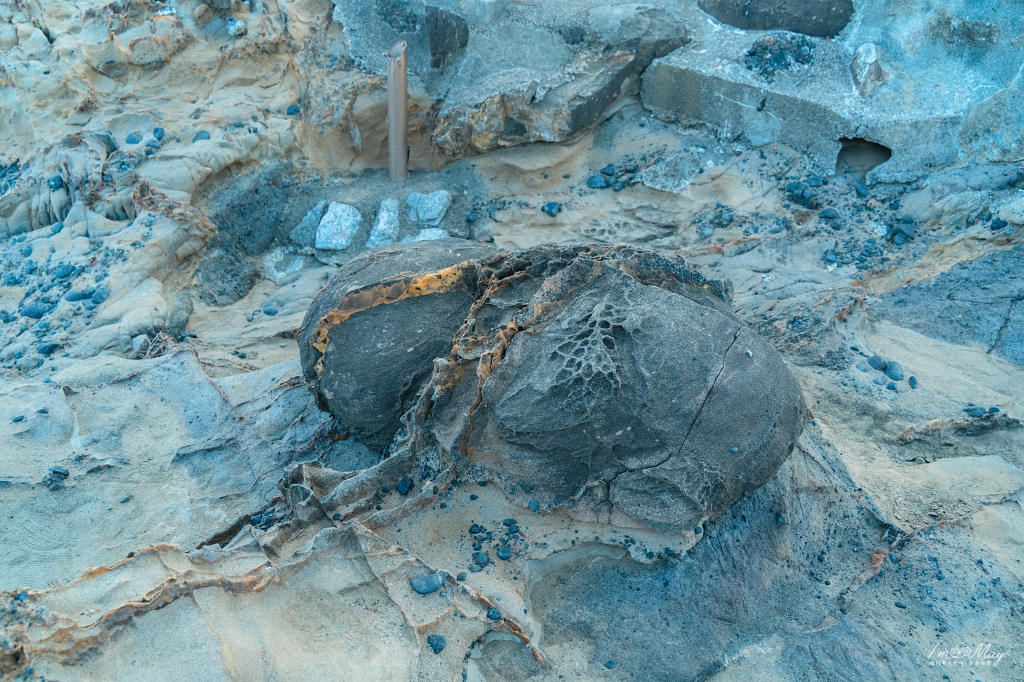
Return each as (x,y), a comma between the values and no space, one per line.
(379,359)
(979,302)
(812,17)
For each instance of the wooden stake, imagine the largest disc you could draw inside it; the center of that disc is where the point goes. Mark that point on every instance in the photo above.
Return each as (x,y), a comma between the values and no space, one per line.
(398,103)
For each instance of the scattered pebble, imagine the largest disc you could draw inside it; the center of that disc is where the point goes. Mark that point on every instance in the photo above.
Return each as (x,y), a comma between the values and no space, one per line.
(436,643)
(597,182)
(505,553)
(912,381)
(494,614)
(552,208)
(894,370)
(427,584)
(404,486)
(294,110)
(201,135)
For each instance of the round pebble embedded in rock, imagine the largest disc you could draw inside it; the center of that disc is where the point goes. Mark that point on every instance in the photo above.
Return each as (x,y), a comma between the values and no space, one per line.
(427,584)
(436,643)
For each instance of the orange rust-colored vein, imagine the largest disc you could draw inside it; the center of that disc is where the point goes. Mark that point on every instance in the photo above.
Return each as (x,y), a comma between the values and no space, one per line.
(386,293)
(67,640)
(877,560)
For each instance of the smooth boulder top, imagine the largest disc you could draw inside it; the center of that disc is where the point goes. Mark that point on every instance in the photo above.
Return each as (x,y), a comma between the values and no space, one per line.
(611,382)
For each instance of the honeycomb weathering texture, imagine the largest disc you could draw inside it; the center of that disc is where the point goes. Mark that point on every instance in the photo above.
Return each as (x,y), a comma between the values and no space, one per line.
(606,380)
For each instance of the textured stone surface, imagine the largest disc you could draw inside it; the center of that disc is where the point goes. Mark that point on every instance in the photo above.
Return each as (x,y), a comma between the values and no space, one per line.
(338,226)
(428,209)
(385,230)
(603,380)
(447,34)
(304,234)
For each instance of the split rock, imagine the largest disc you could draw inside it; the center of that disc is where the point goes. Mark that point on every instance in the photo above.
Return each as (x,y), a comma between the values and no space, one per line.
(611,382)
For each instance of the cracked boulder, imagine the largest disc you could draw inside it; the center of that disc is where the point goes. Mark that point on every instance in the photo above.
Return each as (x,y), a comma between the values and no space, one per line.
(613,383)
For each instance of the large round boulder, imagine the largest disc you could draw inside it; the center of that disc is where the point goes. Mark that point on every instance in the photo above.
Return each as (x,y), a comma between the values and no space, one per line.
(610,382)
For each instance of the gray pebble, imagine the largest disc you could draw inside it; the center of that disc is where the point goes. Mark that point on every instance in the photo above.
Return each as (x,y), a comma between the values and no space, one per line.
(894,370)
(427,584)
(436,643)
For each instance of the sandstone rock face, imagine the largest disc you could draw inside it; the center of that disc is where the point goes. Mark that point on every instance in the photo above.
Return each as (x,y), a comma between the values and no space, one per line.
(502,80)
(608,381)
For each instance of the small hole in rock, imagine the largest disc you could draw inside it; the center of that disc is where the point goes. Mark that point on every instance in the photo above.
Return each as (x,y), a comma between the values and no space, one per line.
(858,156)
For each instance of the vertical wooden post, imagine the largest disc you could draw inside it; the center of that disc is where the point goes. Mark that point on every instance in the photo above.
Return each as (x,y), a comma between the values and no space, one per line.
(398,103)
